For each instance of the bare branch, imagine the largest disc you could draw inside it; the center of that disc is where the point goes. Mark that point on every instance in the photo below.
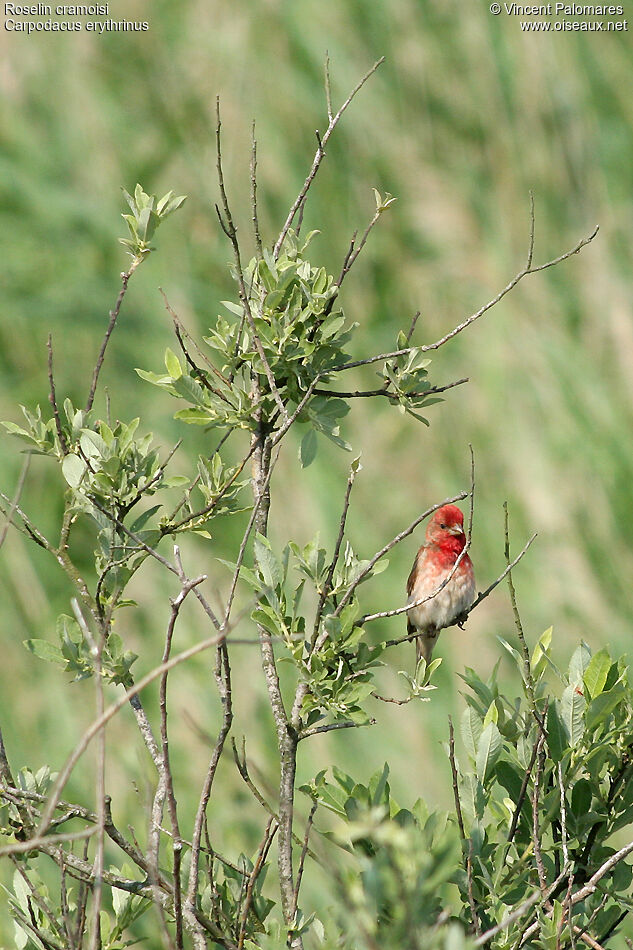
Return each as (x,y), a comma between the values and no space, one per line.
(320,152)
(33,844)
(362,394)
(528,265)
(304,851)
(222,675)
(111,711)
(592,884)
(229,229)
(258,239)
(13,506)
(474,316)
(451,756)
(331,726)
(125,277)
(269,834)
(536,834)
(52,398)
(527,668)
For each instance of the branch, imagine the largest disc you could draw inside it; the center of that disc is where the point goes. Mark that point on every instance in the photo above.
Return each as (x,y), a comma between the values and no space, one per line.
(536,834)
(528,269)
(222,675)
(593,881)
(111,711)
(13,506)
(269,834)
(320,152)
(229,229)
(451,756)
(331,726)
(304,851)
(52,398)
(255,219)
(527,668)
(125,277)
(361,394)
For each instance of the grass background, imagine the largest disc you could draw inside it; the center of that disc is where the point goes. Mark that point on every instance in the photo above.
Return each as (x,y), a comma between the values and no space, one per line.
(466,115)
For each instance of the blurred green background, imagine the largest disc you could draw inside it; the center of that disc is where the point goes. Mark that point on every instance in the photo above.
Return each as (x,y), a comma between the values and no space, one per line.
(467,114)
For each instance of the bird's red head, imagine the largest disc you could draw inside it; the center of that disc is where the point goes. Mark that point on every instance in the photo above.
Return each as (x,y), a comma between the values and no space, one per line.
(447,524)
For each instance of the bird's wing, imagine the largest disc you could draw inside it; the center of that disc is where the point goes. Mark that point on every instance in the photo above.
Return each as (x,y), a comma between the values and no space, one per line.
(414,572)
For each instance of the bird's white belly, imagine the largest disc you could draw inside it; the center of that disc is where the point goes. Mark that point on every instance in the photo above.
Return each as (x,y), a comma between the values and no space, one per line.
(447,605)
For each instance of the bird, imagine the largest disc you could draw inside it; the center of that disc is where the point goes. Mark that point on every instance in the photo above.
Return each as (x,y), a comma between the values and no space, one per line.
(445,541)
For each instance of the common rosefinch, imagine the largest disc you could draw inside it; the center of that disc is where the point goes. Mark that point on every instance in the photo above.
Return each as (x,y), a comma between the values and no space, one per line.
(445,540)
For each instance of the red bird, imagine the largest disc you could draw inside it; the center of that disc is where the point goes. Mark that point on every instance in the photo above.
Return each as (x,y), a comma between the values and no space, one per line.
(445,540)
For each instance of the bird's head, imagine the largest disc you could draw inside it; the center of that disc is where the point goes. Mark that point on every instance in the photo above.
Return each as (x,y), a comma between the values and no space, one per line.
(447,522)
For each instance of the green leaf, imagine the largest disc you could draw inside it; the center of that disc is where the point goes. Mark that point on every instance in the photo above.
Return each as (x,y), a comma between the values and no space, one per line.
(268,565)
(172,364)
(602,706)
(472,796)
(556,733)
(471,729)
(581,798)
(308,448)
(73,470)
(579,663)
(597,672)
(488,750)
(45,651)
(572,707)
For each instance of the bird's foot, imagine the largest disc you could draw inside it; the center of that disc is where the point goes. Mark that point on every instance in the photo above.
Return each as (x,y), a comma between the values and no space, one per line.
(461,620)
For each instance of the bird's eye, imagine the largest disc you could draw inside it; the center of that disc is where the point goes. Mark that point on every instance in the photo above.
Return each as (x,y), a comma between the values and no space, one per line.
(443,526)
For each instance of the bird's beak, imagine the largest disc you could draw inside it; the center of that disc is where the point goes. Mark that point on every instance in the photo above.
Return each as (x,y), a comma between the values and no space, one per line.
(456,529)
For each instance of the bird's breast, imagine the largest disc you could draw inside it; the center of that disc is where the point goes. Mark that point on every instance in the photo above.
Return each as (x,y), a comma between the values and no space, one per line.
(448,603)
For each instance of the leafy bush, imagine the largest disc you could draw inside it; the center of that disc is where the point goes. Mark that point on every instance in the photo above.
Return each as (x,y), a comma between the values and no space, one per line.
(528,852)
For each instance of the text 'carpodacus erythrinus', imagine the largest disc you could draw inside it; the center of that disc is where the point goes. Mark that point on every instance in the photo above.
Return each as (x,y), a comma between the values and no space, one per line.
(445,540)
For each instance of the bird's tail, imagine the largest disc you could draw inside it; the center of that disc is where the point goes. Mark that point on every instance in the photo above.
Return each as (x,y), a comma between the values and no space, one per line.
(423,645)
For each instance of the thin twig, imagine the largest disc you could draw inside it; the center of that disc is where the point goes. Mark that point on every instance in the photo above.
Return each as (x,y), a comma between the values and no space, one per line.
(320,152)
(222,675)
(96,650)
(13,507)
(522,792)
(304,851)
(474,316)
(451,756)
(369,393)
(33,844)
(125,277)
(269,834)
(527,668)
(332,726)
(536,834)
(52,398)
(229,229)
(255,218)
(471,898)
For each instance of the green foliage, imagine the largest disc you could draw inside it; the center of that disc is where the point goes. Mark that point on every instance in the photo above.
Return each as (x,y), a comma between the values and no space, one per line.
(530,850)
(147,213)
(77,655)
